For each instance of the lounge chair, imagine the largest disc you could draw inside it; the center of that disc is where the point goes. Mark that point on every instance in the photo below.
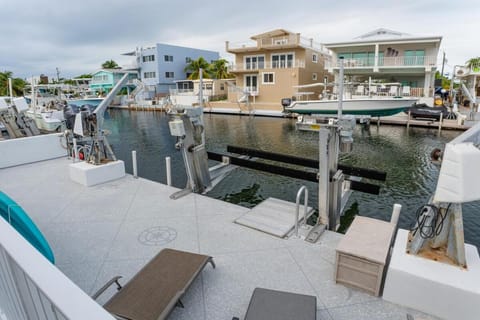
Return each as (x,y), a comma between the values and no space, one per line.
(267,304)
(157,288)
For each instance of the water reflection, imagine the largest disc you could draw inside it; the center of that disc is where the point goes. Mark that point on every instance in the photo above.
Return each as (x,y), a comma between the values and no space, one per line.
(403,154)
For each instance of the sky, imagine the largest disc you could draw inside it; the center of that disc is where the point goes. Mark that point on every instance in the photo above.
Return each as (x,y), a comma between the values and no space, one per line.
(78,36)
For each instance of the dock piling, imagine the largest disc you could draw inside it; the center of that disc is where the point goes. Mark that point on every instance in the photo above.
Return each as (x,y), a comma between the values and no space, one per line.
(168,163)
(134,163)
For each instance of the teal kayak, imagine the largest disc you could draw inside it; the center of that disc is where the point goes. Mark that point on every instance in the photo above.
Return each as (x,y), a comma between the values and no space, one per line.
(20,221)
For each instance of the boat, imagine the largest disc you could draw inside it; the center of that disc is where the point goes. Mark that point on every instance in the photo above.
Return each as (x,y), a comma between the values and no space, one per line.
(424,111)
(375,107)
(50,117)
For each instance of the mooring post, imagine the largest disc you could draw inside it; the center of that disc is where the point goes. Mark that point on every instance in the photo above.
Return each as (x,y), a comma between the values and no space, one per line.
(408,120)
(168,164)
(134,163)
(440,123)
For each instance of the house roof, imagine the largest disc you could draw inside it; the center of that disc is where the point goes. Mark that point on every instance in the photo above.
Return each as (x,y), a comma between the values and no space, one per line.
(273,33)
(385,35)
(112,71)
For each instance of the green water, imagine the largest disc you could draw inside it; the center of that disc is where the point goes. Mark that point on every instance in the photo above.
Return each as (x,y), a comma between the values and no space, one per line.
(403,154)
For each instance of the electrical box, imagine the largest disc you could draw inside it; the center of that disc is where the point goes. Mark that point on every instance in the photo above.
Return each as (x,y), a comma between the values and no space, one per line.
(177,128)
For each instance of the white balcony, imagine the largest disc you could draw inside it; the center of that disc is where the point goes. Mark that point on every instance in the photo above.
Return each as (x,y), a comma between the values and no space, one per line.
(386,62)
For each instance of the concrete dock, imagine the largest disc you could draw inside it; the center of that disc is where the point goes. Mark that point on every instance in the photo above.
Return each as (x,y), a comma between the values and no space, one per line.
(115,228)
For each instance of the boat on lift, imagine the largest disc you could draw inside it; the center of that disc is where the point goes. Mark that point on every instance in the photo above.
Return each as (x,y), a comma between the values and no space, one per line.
(375,106)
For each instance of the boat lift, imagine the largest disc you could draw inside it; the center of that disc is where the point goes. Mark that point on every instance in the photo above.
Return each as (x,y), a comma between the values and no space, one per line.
(88,134)
(335,181)
(438,233)
(13,118)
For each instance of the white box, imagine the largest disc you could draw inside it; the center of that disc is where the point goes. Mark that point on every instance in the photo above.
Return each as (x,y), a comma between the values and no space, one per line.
(436,288)
(90,175)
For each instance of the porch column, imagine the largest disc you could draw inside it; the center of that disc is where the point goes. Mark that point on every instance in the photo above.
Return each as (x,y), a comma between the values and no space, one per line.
(427,84)
(375,66)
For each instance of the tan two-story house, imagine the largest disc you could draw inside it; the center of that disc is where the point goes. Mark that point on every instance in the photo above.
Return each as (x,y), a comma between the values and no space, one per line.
(273,65)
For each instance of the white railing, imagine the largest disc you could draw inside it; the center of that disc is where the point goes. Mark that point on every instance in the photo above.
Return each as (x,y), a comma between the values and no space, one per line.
(272,42)
(33,288)
(402,61)
(266,65)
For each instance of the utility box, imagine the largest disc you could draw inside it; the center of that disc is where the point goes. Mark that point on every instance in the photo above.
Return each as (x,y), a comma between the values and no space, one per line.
(363,253)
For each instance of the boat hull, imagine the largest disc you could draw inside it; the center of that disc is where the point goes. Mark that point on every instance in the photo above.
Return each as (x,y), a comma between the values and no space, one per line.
(367,107)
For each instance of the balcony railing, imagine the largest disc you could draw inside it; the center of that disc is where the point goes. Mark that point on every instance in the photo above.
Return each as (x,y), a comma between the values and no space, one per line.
(401,61)
(255,66)
(274,42)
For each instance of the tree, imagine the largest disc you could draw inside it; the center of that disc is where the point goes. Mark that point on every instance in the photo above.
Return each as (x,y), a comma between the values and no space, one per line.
(194,69)
(17,84)
(219,69)
(474,63)
(110,64)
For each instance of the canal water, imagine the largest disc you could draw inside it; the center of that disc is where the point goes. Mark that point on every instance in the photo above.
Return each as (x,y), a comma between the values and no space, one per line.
(403,154)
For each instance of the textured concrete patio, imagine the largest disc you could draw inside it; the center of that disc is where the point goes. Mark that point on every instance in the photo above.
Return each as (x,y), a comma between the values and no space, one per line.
(115,228)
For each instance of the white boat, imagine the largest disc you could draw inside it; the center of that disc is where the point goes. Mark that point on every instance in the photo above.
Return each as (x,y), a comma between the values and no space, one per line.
(50,118)
(375,107)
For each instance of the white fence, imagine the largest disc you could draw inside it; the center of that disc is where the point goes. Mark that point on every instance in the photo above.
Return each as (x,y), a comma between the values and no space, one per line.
(31,288)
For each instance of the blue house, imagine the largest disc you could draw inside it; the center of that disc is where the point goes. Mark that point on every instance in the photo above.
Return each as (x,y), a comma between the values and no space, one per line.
(163,64)
(103,80)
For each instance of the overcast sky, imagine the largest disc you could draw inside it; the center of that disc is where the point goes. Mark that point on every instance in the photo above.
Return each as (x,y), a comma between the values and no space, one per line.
(78,36)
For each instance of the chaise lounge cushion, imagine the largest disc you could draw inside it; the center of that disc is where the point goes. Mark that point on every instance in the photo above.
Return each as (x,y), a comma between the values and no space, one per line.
(155,290)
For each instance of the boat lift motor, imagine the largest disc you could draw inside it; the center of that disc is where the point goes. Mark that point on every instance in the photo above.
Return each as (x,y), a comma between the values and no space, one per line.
(187,125)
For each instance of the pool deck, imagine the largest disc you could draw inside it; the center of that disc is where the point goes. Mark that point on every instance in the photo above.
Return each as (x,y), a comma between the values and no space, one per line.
(115,228)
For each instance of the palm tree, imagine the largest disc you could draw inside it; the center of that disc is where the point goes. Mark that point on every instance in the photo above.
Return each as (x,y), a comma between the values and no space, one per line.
(17,84)
(194,69)
(110,64)
(219,69)
(473,63)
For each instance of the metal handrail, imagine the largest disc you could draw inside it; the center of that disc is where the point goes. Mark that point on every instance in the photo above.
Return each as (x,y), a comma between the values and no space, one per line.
(297,208)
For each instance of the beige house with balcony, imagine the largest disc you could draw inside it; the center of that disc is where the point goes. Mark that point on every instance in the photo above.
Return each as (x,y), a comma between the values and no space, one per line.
(270,67)
(405,62)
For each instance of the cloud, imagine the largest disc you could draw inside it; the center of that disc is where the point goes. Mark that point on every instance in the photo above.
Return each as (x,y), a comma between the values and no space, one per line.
(77,37)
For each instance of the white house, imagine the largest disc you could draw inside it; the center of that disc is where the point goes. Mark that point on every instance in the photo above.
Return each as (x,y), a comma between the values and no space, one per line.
(407,61)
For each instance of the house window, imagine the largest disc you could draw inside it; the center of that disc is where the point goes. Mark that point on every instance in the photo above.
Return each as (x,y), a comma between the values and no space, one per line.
(254,62)
(284,60)
(315,58)
(268,78)
(280,42)
(414,57)
(149,58)
(169,74)
(314,76)
(150,74)
(188,60)
(222,87)
(168,58)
